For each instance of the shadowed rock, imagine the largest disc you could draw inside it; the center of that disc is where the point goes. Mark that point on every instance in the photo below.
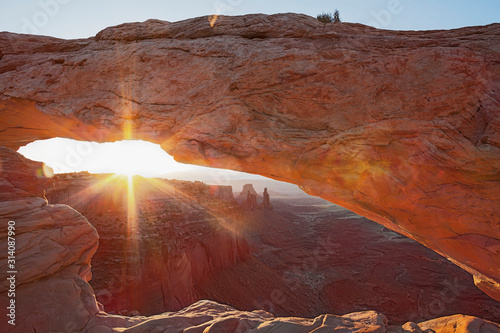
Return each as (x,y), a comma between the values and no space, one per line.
(53,248)
(247,188)
(222,192)
(266,201)
(250,203)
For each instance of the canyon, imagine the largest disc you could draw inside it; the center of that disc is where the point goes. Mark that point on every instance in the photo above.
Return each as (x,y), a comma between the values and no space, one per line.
(155,247)
(194,242)
(399,127)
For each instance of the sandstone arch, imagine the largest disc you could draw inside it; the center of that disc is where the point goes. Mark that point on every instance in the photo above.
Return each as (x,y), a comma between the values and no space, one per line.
(401,127)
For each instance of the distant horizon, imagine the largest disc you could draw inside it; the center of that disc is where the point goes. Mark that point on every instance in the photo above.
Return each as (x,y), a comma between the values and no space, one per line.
(127,157)
(258,182)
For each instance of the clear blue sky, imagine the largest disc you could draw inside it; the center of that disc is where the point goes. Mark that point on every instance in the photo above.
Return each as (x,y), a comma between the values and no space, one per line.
(84,18)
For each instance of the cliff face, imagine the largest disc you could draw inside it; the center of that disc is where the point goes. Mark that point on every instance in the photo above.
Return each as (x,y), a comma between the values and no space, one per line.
(248,199)
(51,247)
(401,127)
(222,192)
(250,202)
(247,189)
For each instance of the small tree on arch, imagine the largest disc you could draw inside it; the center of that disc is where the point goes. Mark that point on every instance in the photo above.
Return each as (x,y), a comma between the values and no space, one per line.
(329,17)
(325,17)
(336,16)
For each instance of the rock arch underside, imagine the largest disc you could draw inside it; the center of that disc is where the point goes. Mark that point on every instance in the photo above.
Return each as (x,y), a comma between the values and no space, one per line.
(400,127)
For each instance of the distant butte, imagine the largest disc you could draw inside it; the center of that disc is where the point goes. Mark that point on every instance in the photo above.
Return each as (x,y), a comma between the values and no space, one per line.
(399,126)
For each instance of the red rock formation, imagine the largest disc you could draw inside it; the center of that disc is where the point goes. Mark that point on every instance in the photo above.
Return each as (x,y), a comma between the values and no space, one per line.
(184,234)
(401,127)
(53,294)
(53,248)
(266,201)
(250,203)
(185,254)
(248,199)
(247,188)
(222,192)
(457,323)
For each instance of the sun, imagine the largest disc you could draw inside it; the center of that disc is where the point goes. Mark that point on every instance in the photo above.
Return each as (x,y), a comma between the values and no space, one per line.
(130,177)
(128,172)
(132,158)
(127,157)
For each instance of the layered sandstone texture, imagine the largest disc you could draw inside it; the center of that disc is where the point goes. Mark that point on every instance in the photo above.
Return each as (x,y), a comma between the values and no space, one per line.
(401,127)
(53,248)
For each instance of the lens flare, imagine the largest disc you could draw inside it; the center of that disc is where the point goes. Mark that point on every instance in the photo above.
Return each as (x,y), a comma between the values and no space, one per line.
(212,19)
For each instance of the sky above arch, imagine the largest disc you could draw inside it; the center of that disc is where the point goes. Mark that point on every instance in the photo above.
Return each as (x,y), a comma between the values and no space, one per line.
(80,19)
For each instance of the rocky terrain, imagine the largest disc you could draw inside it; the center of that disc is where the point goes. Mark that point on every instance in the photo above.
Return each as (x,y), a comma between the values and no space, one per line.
(262,281)
(399,127)
(337,262)
(304,260)
(54,245)
(154,249)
